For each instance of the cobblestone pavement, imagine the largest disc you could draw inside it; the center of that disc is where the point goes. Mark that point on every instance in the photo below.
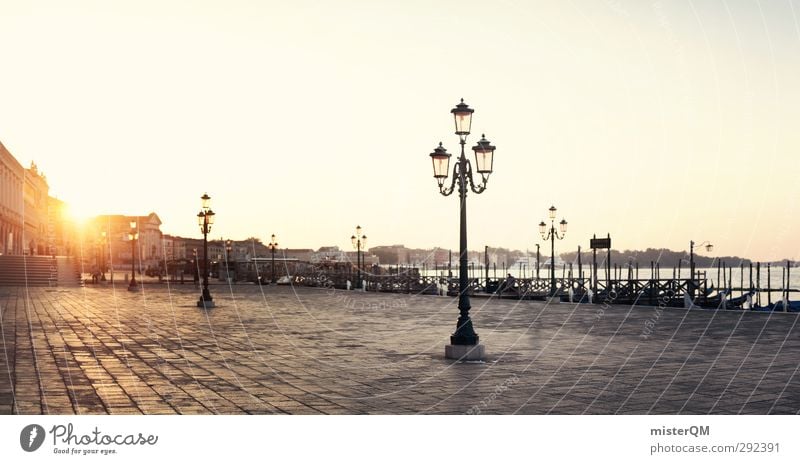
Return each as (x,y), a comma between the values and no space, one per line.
(316,351)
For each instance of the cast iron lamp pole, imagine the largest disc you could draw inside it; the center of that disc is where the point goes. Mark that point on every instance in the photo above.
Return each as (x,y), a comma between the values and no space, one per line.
(552,234)
(359,242)
(228,249)
(709,248)
(205,219)
(462,175)
(273,245)
(196,265)
(103,242)
(133,235)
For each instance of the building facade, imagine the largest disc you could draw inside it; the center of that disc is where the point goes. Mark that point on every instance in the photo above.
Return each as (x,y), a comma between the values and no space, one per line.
(107,235)
(24,218)
(11,206)
(35,218)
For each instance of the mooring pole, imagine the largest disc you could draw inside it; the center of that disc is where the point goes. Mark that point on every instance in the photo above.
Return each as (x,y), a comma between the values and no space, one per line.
(769,284)
(741,279)
(787,283)
(758,283)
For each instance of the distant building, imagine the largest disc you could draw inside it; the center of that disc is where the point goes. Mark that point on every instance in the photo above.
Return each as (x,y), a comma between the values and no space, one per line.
(440,256)
(193,247)
(243,250)
(368,258)
(328,254)
(333,254)
(300,254)
(117,227)
(174,247)
(392,254)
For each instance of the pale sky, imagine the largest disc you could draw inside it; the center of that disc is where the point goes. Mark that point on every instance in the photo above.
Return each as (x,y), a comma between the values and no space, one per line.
(659,122)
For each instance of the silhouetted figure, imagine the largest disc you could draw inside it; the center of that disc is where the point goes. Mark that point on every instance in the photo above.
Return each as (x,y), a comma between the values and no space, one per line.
(509,283)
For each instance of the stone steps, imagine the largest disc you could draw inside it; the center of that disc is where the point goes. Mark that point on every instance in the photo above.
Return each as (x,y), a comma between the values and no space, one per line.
(38,271)
(69,274)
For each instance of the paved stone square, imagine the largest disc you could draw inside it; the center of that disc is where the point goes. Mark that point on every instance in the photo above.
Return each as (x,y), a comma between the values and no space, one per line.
(268,350)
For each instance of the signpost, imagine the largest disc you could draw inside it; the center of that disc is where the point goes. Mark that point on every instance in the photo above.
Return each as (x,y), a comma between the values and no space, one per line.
(602,244)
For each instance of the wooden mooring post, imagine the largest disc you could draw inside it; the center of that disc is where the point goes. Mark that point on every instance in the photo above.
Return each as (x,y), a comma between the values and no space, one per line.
(741,279)
(769,285)
(788,281)
(758,283)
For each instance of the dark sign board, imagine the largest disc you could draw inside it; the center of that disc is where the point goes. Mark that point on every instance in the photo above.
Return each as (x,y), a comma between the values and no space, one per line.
(596,243)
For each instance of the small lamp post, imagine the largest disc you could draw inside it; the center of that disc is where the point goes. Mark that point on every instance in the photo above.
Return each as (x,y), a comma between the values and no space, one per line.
(228,249)
(273,245)
(359,242)
(205,219)
(464,342)
(103,246)
(133,235)
(552,234)
(195,265)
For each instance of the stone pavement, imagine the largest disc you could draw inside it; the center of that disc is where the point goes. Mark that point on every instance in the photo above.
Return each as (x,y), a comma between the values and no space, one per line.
(267,350)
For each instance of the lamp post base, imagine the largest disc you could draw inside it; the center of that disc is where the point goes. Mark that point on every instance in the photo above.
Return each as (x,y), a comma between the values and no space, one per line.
(201,303)
(465,352)
(133,288)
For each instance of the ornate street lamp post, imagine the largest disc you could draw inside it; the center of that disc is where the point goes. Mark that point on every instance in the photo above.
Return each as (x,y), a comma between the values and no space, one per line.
(133,235)
(552,234)
(709,248)
(464,342)
(359,243)
(273,245)
(205,219)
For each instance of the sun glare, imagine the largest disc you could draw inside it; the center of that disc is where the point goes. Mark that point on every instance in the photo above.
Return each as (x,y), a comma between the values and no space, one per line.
(79,216)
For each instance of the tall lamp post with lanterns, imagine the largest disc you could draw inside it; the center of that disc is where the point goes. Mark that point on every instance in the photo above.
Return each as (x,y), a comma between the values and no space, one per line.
(133,236)
(552,234)
(709,248)
(464,342)
(205,219)
(273,245)
(359,243)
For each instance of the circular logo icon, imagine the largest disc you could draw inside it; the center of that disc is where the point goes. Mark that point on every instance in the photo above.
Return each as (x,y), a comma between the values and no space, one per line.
(31,437)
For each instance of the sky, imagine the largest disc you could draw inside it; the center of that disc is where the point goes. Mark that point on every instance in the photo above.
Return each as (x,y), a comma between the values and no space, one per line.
(657,122)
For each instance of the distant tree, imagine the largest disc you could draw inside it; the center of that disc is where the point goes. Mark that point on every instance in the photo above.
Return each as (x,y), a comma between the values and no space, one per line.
(662,256)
